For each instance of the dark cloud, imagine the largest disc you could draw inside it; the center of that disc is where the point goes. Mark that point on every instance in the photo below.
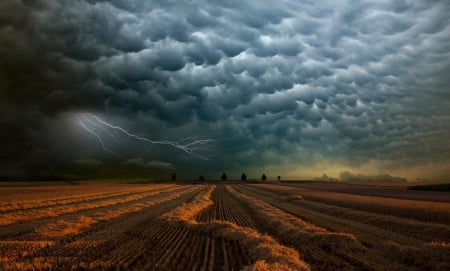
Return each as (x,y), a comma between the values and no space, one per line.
(88,162)
(350,177)
(280,84)
(139,162)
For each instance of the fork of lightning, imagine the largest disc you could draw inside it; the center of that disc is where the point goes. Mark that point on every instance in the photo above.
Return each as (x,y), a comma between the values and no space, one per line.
(94,125)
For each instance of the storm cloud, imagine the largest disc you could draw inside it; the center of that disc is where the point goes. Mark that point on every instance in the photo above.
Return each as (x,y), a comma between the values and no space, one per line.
(289,86)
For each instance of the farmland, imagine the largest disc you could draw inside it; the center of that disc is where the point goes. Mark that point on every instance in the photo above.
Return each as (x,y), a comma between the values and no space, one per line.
(283,226)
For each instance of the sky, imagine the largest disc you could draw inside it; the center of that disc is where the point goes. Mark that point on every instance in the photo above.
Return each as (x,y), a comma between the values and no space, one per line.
(292,88)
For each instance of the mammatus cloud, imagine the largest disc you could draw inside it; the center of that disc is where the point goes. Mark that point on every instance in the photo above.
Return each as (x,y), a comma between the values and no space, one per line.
(282,86)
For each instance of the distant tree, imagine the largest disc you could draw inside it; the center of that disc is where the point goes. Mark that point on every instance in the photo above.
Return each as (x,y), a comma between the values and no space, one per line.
(173,178)
(224,177)
(263,177)
(243,177)
(279,178)
(201,178)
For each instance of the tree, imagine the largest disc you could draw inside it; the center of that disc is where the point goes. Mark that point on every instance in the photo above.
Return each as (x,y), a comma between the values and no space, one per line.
(173,177)
(243,177)
(224,177)
(263,177)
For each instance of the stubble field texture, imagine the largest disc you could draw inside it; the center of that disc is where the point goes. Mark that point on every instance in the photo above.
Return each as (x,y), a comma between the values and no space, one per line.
(234,226)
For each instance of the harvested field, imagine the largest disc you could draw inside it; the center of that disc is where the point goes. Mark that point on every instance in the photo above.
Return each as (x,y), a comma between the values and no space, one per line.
(220,227)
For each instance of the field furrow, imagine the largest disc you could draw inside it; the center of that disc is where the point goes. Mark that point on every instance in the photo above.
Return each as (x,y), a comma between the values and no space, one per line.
(213,227)
(412,232)
(226,242)
(7,207)
(55,211)
(105,236)
(225,208)
(384,246)
(69,223)
(424,211)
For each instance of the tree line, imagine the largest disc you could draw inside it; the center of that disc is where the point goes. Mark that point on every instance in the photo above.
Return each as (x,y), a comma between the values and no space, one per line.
(224,177)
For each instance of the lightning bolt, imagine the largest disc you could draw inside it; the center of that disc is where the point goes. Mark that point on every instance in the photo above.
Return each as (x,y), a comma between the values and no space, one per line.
(188,145)
(93,133)
(103,128)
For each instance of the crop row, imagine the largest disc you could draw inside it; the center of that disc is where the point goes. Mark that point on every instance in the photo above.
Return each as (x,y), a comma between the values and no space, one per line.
(41,198)
(91,244)
(413,229)
(57,210)
(262,249)
(425,211)
(225,208)
(146,243)
(219,227)
(71,223)
(322,250)
(382,249)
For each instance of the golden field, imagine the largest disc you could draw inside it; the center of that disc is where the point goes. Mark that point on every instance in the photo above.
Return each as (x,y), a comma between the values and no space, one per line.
(234,226)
